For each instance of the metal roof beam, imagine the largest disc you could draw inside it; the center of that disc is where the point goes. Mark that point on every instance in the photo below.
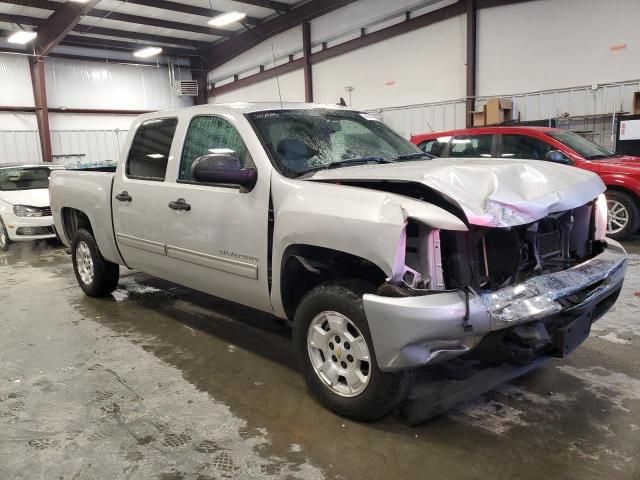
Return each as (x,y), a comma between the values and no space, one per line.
(224,51)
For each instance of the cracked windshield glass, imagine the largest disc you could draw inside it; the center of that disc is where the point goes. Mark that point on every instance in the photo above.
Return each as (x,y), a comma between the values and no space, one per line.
(304,141)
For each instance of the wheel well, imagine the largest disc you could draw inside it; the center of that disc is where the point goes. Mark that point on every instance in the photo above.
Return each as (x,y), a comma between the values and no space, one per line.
(73,220)
(305,266)
(617,188)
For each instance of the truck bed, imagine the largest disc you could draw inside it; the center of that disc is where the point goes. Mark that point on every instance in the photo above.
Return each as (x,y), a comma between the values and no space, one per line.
(88,191)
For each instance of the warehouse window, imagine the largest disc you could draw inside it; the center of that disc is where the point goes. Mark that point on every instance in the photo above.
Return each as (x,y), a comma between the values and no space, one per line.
(465,146)
(210,135)
(150,149)
(523,146)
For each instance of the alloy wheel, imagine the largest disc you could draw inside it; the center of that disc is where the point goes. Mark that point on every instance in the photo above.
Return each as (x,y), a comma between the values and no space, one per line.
(339,354)
(617,217)
(84,263)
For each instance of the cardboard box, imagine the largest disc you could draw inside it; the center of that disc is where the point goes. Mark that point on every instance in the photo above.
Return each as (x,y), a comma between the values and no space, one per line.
(498,110)
(479,118)
(636,103)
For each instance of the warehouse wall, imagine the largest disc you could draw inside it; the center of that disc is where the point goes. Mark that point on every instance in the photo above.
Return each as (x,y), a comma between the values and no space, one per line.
(545,54)
(548,44)
(291,88)
(390,73)
(75,84)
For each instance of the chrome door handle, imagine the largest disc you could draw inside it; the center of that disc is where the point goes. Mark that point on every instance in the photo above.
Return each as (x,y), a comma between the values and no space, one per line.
(180,205)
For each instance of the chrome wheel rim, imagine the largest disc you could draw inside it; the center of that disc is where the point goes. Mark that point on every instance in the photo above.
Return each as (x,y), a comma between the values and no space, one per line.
(84,263)
(339,354)
(617,217)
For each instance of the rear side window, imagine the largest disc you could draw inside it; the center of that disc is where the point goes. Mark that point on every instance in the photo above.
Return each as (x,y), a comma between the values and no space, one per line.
(210,135)
(150,149)
(523,146)
(465,146)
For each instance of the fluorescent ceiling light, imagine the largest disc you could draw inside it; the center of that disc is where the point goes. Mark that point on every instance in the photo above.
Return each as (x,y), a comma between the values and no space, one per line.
(21,37)
(79,1)
(221,150)
(226,19)
(155,155)
(147,52)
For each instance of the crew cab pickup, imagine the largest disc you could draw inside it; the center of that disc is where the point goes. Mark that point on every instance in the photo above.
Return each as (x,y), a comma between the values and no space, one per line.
(383,259)
(620,173)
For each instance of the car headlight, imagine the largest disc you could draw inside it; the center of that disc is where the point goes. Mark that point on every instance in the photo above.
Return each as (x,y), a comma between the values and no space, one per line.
(601,218)
(26,211)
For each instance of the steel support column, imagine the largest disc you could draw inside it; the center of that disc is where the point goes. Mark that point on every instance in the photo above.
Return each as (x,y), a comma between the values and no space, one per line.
(306,52)
(471,60)
(36,67)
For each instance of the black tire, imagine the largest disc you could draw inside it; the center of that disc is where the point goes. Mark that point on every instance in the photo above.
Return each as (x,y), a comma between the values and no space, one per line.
(385,391)
(105,273)
(4,238)
(631,204)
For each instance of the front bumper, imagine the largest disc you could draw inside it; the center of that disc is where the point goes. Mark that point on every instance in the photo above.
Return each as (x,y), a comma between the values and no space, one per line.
(414,331)
(29,228)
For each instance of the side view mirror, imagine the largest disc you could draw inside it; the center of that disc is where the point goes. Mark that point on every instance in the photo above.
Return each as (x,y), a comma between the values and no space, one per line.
(223,168)
(557,156)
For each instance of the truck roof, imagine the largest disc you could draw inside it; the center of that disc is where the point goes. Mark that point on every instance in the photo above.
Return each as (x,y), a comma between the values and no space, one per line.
(244,107)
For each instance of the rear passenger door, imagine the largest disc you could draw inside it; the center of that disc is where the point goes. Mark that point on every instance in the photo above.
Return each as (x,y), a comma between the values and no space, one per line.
(472,146)
(523,146)
(137,214)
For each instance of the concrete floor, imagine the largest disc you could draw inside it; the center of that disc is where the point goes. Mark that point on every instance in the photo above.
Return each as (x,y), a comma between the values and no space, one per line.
(159,381)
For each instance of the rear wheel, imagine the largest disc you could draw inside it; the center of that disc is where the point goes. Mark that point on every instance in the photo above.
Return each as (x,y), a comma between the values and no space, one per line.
(4,237)
(623,215)
(96,276)
(335,353)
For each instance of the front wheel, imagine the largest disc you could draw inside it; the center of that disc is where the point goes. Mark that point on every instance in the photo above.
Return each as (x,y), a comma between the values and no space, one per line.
(96,276)
(4,238)
(623,215)
(335,353)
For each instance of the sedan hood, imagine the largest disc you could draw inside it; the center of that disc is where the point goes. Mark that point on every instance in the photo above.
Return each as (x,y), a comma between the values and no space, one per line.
(38,197)
(623,164)
(490,192)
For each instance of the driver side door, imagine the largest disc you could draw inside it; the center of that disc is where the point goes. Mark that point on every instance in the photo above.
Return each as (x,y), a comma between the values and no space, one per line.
(218,244)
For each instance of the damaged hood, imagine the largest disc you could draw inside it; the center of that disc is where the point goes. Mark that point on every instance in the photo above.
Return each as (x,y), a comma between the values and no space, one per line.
(490,192)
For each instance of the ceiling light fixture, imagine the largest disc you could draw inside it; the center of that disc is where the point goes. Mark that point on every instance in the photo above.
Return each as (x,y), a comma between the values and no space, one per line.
(22,37)
(79,1)
(147,52)
(226,19)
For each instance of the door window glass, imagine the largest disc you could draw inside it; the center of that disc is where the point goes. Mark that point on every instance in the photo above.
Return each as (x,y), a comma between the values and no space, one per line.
(465,146)
(435,147)
(150,149)
(523,146)
(210,135)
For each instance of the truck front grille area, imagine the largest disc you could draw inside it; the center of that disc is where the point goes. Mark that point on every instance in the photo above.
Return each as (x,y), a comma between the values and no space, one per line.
(487,259)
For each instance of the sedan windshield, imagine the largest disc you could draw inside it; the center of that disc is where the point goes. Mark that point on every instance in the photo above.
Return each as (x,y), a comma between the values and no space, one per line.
(24,178)
(581,145)
(303,141)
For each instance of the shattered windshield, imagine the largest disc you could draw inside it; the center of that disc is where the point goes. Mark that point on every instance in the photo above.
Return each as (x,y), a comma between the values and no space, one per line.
(24,178)
(304,141)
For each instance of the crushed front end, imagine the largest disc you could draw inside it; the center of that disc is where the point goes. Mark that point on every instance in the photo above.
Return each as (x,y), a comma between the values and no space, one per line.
(498,293)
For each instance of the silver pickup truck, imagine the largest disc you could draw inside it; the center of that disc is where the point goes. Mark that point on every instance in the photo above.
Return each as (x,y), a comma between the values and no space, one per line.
(383,258)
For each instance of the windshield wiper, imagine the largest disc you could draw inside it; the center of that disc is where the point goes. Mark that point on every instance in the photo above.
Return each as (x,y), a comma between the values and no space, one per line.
(414,156)
(358,161)
(596,157)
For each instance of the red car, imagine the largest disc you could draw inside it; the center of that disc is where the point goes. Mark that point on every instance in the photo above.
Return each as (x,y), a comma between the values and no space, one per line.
(620,173)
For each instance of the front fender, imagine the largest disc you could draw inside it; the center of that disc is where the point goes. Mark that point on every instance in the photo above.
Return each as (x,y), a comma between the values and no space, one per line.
(365,223)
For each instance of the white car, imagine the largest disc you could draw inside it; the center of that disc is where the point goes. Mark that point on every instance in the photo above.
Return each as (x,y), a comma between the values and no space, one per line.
(25,212)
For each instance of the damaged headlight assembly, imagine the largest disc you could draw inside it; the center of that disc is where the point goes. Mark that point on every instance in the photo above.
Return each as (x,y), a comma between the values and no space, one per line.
(27,211)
